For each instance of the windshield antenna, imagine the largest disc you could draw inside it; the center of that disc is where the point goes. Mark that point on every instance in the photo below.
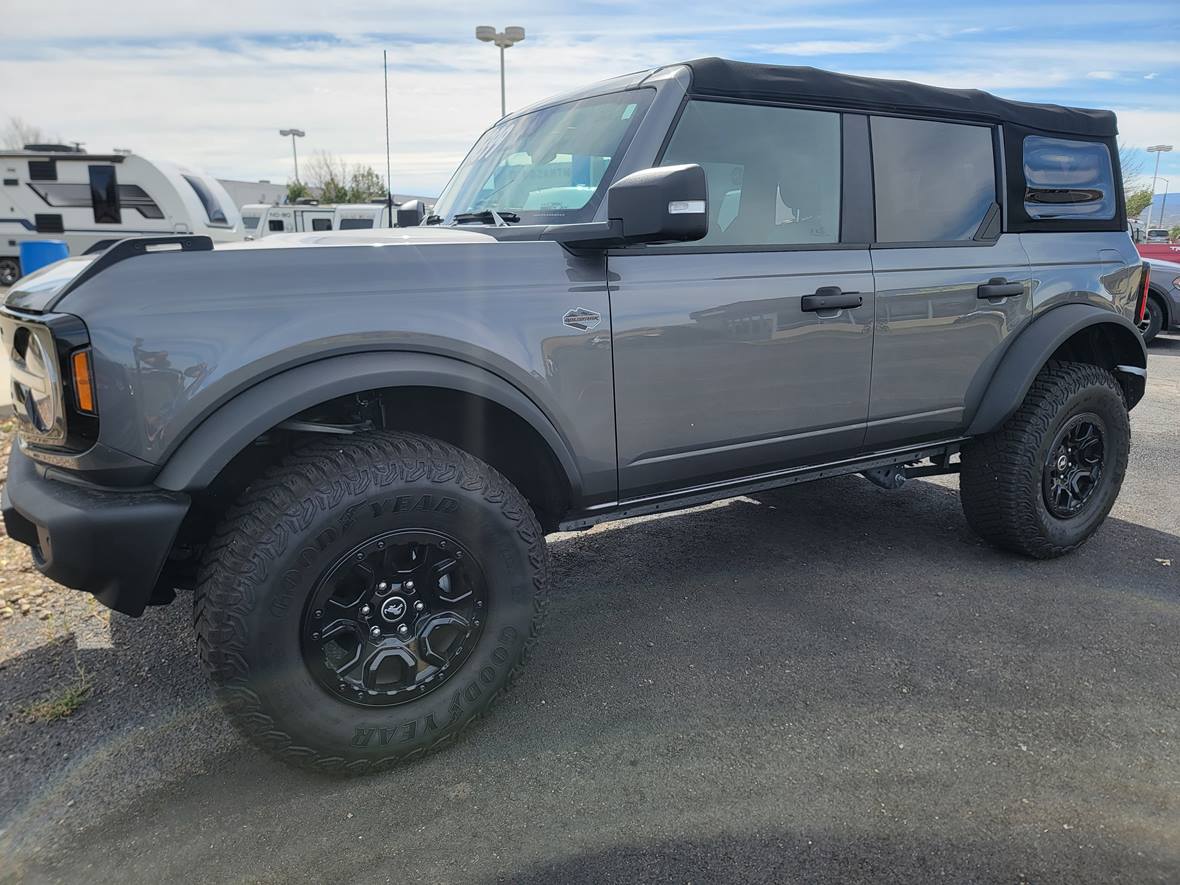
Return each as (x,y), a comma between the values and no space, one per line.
(388,183)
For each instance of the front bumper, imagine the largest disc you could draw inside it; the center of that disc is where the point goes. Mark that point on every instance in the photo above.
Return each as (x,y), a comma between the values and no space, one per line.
(109,542)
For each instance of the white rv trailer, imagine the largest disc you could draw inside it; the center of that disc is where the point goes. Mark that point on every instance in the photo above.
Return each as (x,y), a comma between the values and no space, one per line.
(354,216)
(252,215)
(295,217)
(59,192)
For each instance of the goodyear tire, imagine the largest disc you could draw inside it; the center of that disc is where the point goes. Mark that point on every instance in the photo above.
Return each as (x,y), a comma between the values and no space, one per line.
(1043,483)
(368,599)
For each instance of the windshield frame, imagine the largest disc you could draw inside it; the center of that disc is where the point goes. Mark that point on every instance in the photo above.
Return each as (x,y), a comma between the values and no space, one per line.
(641,96)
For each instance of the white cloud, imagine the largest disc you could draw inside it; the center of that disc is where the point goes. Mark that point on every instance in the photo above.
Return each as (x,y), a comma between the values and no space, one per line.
(1101,75)
(1150,76)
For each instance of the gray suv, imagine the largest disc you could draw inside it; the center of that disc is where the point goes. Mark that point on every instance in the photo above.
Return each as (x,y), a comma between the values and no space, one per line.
(680,285)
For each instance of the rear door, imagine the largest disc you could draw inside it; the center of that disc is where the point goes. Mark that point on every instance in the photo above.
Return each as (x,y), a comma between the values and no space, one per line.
(727,363)
(951,287)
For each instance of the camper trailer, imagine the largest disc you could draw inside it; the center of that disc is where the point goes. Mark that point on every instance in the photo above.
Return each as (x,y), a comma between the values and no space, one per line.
(295,218)
(358,216)
(252,215)
(63,193)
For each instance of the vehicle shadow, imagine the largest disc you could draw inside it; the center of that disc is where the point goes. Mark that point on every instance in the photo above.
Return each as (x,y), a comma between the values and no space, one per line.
(828,605)
(1167,344)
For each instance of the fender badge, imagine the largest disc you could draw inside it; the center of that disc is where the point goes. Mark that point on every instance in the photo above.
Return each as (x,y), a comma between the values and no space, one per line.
(582,319)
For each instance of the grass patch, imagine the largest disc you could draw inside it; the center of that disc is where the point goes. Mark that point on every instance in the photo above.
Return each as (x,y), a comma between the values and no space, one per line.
(61,705)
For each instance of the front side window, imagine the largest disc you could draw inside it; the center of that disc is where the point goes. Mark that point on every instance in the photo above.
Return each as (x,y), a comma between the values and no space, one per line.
(773,173)
(932,182)
(104,195)
(551,166)
(1067,179)
(213,210)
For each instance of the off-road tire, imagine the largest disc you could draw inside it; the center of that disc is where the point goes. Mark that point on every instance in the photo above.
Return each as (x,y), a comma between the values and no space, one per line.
(1154,319)
(266,556)
(1001,481)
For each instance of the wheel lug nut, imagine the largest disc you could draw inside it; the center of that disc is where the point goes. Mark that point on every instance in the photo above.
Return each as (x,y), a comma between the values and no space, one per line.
(365,609)
(319,613)
(403,629)
(381,586)
(410,586)
(315,635)
(418,606)
(375,632)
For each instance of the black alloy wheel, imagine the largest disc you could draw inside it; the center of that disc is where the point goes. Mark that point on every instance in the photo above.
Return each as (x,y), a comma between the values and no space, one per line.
(1074,465)
(391,620)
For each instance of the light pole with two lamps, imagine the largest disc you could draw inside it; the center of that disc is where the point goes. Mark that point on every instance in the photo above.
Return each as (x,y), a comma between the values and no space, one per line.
(504,39)
(1156,149)
(294,133)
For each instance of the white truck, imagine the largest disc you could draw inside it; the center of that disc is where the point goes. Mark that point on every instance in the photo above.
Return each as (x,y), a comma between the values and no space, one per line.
(62,193)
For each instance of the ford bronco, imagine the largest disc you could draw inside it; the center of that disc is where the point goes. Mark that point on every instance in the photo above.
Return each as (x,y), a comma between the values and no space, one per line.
(673,287)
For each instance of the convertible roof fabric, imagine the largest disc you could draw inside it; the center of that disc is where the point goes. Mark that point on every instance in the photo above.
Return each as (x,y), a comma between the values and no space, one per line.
(737,79)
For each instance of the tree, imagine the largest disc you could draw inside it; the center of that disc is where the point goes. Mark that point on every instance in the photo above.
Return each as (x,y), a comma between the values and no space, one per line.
(366,185)
(296,190)
(1138,201)
(327,177)
(1174,233)
(18,133)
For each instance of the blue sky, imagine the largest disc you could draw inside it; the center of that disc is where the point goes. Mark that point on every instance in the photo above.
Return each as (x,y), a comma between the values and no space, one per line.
(210,83)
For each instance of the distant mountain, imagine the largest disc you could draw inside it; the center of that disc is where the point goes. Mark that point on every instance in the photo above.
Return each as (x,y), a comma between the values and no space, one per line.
(1171,211)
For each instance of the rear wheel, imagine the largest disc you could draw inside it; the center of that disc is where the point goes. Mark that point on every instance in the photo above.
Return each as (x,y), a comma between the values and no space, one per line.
(368,599)
(1154,321)
(9,271)
(1045,481)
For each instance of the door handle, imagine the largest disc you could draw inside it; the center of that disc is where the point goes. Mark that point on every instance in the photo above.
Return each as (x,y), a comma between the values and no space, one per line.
(830,298)
(998,287)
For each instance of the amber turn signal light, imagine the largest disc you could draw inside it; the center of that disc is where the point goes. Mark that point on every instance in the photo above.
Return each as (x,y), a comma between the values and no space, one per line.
(83,382)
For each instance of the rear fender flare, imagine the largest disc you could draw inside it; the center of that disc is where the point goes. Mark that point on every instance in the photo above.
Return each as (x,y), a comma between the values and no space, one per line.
(1036,345)
(236,423)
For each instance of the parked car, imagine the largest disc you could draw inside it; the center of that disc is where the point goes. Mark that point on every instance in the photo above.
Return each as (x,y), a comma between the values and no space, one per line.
(1158,235)
(59,192)
(1163,299)
(350,445)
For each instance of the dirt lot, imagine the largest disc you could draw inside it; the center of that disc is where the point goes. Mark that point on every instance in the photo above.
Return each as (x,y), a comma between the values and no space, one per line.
(829,683)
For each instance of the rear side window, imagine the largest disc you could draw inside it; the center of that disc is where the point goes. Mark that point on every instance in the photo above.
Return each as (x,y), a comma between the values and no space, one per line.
(933,182)
(1067,179)
(275,224)
(355,223)
(321,224)
(773,173)
(104,195)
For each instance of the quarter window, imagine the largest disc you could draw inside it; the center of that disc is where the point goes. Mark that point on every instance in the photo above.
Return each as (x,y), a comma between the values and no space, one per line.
(1067,179)
(104,195)
(932,181)
(773,173)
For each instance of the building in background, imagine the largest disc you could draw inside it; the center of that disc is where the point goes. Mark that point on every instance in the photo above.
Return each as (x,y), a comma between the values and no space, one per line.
(243,192)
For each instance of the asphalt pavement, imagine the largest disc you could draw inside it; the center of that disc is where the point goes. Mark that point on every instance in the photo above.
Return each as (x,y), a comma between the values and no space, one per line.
(831,683)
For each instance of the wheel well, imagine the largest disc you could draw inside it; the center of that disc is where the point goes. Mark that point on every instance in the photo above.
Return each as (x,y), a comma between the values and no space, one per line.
(485,429)
(1107,345)
(1162,301)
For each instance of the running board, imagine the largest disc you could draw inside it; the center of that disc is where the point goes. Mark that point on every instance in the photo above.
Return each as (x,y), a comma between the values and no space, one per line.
(732,488)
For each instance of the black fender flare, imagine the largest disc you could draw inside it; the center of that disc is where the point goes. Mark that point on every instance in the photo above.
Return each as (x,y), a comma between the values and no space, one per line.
(202,455)
(1036,344)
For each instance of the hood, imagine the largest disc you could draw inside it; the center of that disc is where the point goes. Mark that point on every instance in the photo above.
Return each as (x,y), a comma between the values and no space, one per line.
(38,290)
(397,236)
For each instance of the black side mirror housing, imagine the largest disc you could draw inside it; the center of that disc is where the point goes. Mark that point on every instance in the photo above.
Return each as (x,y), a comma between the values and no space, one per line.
(664,204)
(411,213)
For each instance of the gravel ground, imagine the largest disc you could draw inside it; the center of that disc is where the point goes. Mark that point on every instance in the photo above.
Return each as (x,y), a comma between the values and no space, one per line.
(827,683)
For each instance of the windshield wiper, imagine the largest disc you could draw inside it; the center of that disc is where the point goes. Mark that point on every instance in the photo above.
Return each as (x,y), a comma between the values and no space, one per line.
(487,216)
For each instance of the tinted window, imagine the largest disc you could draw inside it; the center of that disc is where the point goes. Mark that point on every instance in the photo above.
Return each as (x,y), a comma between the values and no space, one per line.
(213,210)
(355,223)
(773,173)
(1067,179)
(42,170)
(49,224)
(132,196)
(104,195)
(932,181)
(275,224)
(321,224)
(249,222)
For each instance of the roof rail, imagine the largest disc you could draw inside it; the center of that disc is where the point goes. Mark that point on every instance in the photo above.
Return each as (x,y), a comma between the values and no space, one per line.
(133,246)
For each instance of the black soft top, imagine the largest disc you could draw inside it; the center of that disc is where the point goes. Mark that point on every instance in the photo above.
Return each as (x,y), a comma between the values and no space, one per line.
(738,79)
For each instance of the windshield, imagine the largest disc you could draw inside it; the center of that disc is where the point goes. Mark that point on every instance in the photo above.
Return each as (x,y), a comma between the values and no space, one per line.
(550,166)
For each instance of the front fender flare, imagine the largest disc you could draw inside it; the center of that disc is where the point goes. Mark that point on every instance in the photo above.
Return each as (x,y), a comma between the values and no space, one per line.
(1035,346)
(236,423)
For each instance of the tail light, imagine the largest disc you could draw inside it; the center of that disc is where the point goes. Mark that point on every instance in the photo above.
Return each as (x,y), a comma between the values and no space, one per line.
(1141,310)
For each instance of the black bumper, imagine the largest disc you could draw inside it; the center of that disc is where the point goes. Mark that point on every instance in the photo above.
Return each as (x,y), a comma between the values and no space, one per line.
(108,542)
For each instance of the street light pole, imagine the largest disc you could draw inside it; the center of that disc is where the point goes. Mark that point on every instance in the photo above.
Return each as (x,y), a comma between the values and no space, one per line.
(294,133)
(1156,149)
(503,39)
(1164,203)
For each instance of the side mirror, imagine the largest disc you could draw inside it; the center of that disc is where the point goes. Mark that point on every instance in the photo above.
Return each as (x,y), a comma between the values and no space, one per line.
(660,205)
(664,204)
(411,213)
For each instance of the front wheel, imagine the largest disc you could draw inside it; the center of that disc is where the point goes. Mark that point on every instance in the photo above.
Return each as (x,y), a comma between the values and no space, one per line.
(9,271)
(368,599)
(1045,481)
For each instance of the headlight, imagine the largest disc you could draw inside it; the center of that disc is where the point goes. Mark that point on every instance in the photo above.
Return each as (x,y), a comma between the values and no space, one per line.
(36,384)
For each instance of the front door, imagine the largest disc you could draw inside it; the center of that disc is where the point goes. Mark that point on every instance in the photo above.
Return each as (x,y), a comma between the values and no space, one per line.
(749,351)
